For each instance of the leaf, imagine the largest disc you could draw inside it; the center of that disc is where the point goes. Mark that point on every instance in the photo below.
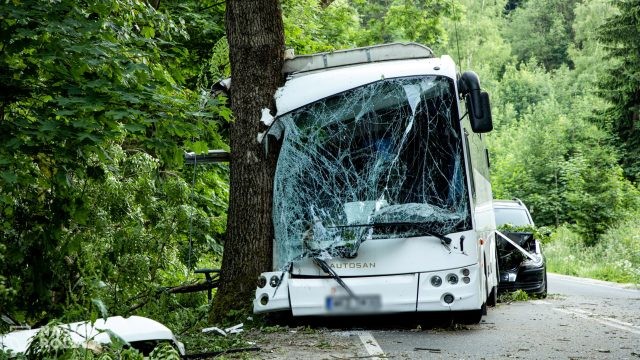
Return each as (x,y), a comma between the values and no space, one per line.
(102,308)
(134,128)
(9,177)
(148,32)
(65,112)
(48,125)
(81,215)
(199,147)
(118,114)
(84,136)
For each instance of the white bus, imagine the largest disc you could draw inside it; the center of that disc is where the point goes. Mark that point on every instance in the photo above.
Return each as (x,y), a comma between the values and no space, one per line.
(382,199)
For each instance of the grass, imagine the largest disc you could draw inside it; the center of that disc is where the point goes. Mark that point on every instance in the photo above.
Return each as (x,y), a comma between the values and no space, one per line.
(518,295)
(616,257)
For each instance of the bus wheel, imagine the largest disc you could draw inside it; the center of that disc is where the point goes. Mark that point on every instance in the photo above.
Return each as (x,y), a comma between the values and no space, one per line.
(470,317)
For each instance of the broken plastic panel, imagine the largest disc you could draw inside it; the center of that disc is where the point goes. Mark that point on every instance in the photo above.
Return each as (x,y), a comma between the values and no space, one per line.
(380,161)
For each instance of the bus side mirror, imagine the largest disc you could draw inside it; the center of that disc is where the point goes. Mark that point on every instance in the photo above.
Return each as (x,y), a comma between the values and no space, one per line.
(480,112)
(478,103)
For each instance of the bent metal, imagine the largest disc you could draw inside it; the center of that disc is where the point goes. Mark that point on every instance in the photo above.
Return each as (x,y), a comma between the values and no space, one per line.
(357,265)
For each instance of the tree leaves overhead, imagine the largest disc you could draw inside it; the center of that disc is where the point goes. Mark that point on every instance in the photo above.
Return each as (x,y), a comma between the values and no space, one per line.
(77,74)
(541,29)
(404,20)
(620,85)
(551,146)
(95,116)
(313,25)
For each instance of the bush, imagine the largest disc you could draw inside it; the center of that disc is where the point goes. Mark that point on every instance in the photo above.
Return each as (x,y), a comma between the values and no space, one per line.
(615,258)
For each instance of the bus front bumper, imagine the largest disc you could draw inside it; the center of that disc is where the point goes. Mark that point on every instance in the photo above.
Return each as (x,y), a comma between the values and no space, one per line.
(311,296)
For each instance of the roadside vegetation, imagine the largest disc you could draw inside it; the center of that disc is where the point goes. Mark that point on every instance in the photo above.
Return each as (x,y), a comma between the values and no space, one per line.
(511,296)
(561,141)
(616,257)
(100,100)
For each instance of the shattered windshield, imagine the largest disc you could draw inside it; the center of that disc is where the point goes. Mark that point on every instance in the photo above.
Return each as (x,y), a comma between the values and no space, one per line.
(380,161)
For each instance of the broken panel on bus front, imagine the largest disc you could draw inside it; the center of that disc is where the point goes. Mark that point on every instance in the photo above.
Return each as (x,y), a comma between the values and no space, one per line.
(384,160)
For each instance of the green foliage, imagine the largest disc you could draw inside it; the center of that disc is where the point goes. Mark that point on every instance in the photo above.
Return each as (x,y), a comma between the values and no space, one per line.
(541,233)
(549,152)
(518,295)
(203,22)
(597,195)
(620,84)
(164,351)
(541,29)
(385,21)
(51,342)
(5,292)
(616,257)
(586,52)
(310,27)
(521,88)
(474,36)
(95,115)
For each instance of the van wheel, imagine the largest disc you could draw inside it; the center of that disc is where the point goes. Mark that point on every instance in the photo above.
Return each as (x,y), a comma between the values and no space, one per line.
(492,300)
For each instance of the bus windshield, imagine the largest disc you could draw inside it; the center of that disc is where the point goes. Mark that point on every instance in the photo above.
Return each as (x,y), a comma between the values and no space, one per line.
(384,160)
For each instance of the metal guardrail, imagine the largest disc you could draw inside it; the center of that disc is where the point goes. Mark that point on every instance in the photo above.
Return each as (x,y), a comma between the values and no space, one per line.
(211,157)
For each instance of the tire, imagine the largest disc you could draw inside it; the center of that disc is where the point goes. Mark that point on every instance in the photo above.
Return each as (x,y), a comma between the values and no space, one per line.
(492,300)
(543,295)
(492,296)
(471,317)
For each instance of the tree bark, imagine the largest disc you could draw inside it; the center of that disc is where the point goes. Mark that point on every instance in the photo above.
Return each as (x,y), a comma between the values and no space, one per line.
(325,3)
(255,33)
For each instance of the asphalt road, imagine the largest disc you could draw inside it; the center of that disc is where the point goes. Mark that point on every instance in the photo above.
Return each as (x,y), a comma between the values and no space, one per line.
(581,319)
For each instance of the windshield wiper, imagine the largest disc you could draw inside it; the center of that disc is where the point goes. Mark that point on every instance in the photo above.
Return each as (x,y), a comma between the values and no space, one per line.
(329,271)
(445,239)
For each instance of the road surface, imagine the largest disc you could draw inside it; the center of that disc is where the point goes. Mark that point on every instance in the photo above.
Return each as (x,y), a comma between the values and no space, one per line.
(580,319)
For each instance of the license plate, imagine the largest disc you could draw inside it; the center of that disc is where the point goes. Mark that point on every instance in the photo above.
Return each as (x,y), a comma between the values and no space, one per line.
(361,303)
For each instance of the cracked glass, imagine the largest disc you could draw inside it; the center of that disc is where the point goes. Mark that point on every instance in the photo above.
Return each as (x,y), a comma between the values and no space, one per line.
(381,161)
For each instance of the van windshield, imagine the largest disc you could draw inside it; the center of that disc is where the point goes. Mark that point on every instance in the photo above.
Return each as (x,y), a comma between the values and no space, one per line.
(387,153)
(516,217)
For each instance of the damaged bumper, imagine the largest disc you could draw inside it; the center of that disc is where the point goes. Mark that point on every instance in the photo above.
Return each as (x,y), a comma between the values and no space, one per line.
(446,290)
(529,278)
(522,265)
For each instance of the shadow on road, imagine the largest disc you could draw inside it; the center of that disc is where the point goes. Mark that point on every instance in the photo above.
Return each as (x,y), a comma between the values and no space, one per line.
(405,321)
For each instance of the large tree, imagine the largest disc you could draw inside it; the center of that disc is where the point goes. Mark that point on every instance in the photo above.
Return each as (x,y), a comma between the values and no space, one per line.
(255,33)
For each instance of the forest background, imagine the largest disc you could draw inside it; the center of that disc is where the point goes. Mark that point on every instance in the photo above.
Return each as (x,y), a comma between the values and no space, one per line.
(100,99)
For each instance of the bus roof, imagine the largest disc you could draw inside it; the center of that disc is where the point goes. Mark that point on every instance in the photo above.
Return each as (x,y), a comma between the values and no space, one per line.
(308,86)
(376,53)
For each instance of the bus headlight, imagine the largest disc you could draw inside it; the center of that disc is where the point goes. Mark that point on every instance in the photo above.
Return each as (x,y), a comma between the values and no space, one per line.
(448,298)
(436,280)
(452,279)
(264,299)
(262,282)
(274,281)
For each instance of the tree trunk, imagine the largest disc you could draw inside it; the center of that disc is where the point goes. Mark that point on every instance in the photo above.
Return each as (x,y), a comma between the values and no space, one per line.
(325,3)
(255,33)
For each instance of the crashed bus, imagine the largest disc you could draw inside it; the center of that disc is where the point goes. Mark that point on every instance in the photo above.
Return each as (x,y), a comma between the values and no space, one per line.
(382,199)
